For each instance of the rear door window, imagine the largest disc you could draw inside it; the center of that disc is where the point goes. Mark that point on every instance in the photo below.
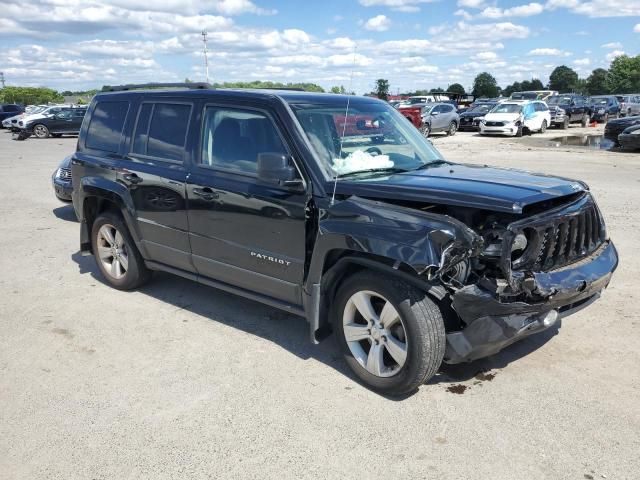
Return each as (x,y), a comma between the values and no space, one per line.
(105,127)
(161,130)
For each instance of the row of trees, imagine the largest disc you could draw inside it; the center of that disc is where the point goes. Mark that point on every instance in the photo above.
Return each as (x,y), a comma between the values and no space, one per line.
(29,95)
(623,76)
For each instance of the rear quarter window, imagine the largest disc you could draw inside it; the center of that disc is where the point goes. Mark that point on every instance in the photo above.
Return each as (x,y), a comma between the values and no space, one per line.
(161,130)
(106,125)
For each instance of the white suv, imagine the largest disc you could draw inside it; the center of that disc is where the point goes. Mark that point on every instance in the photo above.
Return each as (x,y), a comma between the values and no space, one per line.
(512,117)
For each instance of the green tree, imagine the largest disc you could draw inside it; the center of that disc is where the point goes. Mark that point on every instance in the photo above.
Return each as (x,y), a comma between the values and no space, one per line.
(624,74)
(382,88)
(597,82)
(514,87)
(29,95)
(336,89)
(456,88)
(563,79)
(437,90)
(485,85)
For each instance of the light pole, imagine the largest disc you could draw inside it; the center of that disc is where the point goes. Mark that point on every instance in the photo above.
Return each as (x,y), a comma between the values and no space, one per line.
(206,59)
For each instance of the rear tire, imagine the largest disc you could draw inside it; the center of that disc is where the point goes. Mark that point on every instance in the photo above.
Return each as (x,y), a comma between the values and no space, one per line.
(116,254)
(41,131)
(453,127)
(543,127)
(393,361)
(585,120)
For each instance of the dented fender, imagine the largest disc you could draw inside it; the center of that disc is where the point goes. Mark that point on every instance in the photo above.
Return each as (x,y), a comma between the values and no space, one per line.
(428,243)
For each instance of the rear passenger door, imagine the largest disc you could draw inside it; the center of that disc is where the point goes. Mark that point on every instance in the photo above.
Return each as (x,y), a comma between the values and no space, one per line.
(243,232)
(153,170)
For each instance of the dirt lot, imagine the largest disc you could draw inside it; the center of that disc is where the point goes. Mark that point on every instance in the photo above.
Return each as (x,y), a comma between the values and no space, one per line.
(183,381)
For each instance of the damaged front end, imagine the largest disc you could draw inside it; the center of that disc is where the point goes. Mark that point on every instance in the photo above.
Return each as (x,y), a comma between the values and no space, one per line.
(532,272)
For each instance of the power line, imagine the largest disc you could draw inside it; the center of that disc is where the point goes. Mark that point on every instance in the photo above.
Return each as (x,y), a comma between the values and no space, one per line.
(206,59)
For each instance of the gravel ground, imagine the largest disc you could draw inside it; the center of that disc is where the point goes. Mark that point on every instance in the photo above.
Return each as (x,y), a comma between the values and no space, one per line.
(183,381)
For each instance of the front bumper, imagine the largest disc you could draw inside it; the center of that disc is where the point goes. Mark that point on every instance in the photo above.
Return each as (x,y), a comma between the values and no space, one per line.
(492,325)
(510,129)
(62,188)
(629,141)
(558,119)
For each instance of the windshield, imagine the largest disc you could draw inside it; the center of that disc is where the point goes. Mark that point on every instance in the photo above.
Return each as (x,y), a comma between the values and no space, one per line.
(482,108)
(414,100)
(524,96)
(372,137)
(507,108)
(598,100)
(559,100)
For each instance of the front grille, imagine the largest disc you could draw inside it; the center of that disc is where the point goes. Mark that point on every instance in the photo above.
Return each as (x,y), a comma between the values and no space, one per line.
(65,174)
(562,240)
(494,124)
(466,120)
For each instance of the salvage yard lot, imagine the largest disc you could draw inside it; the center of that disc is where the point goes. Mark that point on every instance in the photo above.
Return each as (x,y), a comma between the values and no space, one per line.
(181,380)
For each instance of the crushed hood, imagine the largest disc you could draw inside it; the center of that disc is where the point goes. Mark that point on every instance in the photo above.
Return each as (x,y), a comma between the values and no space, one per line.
(489,188)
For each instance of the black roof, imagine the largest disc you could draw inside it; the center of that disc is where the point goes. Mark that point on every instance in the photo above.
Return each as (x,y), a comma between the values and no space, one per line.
(289,96)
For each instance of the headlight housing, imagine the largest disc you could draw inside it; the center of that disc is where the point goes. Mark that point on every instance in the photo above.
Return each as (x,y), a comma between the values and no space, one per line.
(561,112)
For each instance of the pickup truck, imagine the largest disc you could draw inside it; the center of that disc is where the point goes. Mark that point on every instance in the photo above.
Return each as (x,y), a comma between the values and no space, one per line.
(406,258)
(569,108)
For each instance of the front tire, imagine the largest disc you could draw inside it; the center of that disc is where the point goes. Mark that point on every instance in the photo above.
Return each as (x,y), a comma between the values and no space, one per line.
(565,124)
(116,254)
(425,130)
(391,334)
(585,120)
(41,131)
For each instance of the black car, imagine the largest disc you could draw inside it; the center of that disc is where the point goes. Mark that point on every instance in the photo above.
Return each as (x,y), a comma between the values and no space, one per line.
(61,180)
(604,107)
(469,119)
(569,108)
(614,128)
(65,122)
(629,139)
(9,110)
(409,259)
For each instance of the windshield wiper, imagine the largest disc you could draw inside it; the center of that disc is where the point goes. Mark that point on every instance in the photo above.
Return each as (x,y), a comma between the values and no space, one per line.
(374,170)
(430,164)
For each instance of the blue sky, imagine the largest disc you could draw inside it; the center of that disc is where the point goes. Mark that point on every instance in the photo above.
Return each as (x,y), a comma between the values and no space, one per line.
(416,44)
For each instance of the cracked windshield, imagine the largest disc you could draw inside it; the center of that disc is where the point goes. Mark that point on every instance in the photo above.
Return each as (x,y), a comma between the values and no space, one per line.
(370,138)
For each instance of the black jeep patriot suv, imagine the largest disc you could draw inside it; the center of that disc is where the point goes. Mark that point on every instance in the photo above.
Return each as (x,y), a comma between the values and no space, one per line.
(336,209)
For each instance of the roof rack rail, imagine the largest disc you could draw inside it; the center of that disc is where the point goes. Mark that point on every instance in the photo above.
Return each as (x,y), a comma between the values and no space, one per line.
(293,89)
(190,85)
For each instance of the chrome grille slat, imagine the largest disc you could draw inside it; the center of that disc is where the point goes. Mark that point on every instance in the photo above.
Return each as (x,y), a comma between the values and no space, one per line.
(65,174)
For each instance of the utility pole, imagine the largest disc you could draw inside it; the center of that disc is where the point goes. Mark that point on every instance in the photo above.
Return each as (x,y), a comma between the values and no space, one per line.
(2,79)
(206,59)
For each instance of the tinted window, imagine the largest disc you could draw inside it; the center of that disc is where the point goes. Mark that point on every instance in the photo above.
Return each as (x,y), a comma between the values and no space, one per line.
(79,112)
(161,130)
(233,138)
(11,108)
(105,127)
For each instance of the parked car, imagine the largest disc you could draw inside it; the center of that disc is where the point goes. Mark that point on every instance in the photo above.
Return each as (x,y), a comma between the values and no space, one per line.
(629,139)
(514,118)
(629,104)
(46,111)
(432,117)
(9,110)
(604,107)
(614,128)
(12,122)
(409,259)
(533,95)
(569,108)
(61,180)
(64,121)
(470,120)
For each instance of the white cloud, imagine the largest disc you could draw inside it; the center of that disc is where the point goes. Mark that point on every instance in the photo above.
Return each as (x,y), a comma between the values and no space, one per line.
(548,52)
(637,28)
(237,7)
(379,23)
(464,14)
(423,69)
(598,8)
(612,55)
(582,61)
(485,56)
(471,3)
(519,11)
(399,5)
(612,45)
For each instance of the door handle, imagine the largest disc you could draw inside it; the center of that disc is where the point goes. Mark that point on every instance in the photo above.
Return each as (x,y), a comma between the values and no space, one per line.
(132,178)
(205,193)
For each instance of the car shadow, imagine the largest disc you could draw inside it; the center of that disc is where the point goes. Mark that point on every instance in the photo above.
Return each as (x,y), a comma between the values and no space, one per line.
(291,332)
(66,212)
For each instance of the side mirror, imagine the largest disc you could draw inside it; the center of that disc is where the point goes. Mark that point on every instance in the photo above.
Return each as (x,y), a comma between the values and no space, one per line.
(278,169)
